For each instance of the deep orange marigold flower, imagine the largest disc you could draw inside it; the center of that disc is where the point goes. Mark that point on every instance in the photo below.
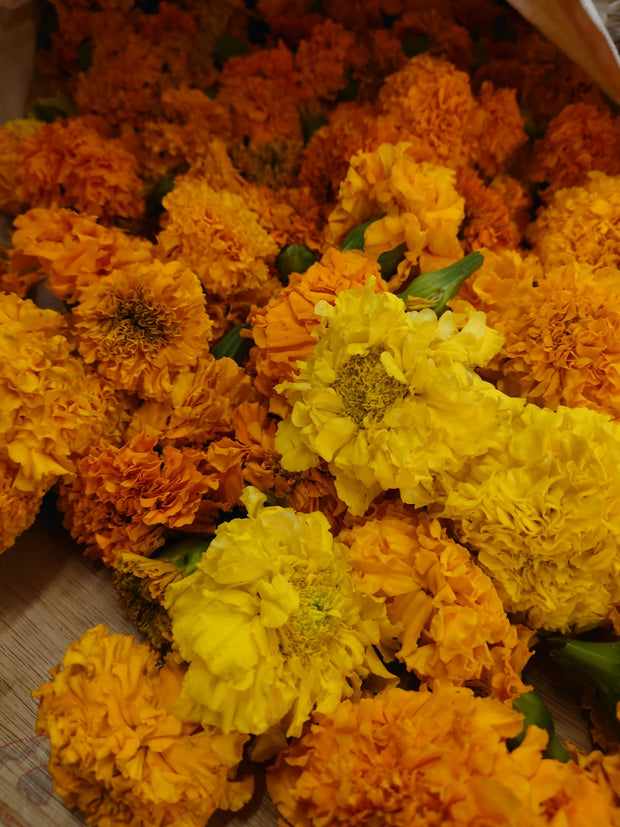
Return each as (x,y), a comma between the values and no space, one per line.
(559,328)
(436,28)
(282,330)
(72,250)
(582,221)
(495,214)
(215,234)
(580,139)
(68,164)
(500,129)
(413,759)
(312,490)
(117,753)
(200,406)
(323,57)
(12,134)
(130,498)
(451,620)
(142,324)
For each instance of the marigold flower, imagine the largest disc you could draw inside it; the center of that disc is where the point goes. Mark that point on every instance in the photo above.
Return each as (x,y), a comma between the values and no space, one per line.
(540,513)
(421,205)
(420,758)
(217,236)
(389,398)
(52,407)
(582,138)
(68,164)
(130,498)
(270,623)
(72,250)
(323,57)
(282,329)
(559,328)
(18,508)
(117,752)
(200,405)
(452,620)
(12,134)
(143,323)
(582,221)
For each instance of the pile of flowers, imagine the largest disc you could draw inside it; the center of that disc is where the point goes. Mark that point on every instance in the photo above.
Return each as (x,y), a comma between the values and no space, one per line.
(310,332)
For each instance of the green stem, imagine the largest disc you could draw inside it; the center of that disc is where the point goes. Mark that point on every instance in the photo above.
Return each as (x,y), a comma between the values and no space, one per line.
(296,258)
(233,345)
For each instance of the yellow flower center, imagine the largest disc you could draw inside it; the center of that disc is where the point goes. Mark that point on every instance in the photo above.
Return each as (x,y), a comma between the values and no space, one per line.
(366,388)
(307,631)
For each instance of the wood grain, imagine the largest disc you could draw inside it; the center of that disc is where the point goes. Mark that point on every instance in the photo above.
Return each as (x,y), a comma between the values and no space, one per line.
(50,595)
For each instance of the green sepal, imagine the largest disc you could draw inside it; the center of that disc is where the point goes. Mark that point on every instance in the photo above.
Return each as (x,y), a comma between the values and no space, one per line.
(439,286)
(295,258)
(535,713)
(185,553)
(354,240)
(233,345)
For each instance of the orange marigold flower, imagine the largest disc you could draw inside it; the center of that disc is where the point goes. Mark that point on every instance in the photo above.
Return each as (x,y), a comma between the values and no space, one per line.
(52,407)
(582,138)
(117,753)
(72,250)
(324,56)
(12,135)
(218,236)
(282,330)
(18,509)
(414,759)
(142,324)
(582,221)
(130,498)
(312,490)
(263,92)
(200,406)
(500,129)
(495,215)
(435,28)
(68,164)
(453,627)
(433,102)
(559,328)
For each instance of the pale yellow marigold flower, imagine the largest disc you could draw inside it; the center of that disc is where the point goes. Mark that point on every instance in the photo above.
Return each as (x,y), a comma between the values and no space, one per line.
(390,399)
(417,204)
(271,624)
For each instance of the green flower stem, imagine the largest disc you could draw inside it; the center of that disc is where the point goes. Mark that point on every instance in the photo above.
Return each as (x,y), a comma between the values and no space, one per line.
(185,554)
(439,286)
(535,712)
(598,662)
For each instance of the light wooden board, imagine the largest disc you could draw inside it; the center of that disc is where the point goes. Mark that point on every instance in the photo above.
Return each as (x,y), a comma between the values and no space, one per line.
(49,595)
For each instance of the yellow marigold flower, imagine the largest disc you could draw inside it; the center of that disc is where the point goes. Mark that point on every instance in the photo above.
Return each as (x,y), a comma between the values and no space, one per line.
(52,407)
(559,328)
(541,513)
(118,754)
(217,236)
(282,329)
(72,250)
(200,404)
(453,626)
(389,398)
(421,205)
(270,623)
(142,324)
(131,497)
(582,221)
(413,759)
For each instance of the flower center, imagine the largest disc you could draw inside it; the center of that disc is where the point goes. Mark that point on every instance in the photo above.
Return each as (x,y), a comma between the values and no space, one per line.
(306,632)
(140,322)
(365,387)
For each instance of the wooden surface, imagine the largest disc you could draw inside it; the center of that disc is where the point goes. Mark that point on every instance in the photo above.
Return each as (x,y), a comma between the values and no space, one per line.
(49,595)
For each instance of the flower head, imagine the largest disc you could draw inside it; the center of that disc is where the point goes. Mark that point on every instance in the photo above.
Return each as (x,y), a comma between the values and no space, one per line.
(117,752)
(412,759)
(270,623)
(389,398)
(141,324)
